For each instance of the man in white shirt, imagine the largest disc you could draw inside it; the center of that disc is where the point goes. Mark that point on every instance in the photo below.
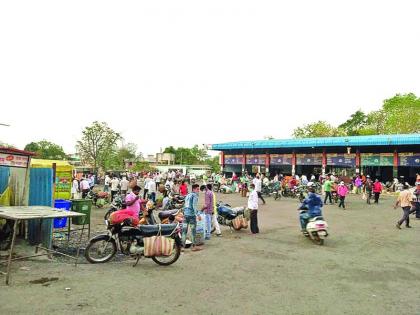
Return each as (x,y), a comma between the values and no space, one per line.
(151,188)
(74,188)
(257,184)
(107,182)
(146,183)
(114,187)
(253,208)
(84,186)
(158,179)
(124,186)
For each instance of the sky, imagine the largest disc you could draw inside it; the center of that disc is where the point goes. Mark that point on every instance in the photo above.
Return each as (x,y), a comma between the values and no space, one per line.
(199,72)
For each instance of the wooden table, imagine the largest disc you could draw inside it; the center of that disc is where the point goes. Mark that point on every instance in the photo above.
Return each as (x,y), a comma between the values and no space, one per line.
(21,213)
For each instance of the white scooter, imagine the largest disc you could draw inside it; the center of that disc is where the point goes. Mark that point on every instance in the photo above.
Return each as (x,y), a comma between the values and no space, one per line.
(316,229)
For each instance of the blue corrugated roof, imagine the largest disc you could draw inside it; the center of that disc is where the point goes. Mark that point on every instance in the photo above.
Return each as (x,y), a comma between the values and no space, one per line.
(406,139)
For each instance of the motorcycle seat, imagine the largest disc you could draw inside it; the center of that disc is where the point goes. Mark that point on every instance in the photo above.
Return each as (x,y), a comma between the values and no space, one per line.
(317,218)
(167,213)
(152,230)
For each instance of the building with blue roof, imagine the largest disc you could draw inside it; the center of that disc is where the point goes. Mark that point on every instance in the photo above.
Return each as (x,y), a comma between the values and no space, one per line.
(381,156)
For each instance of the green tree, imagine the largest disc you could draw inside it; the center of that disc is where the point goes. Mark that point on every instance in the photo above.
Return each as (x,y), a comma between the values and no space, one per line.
(98,144)
(354,125)
(402,114)
(318,129)
(193,155)
(213,162)
(46,150)
(6,145)
(118,156)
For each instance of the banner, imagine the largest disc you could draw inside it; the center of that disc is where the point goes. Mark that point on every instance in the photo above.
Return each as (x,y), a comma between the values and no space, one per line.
(382,159)
(63,183)
(234,159)
(281,159)
(409,159)
(14,160)
(309,159)
(341,160)
(255,159)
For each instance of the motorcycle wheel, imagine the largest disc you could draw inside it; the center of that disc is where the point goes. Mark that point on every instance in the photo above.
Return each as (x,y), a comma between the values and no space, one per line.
(317,240)
(100,250)
(168,260)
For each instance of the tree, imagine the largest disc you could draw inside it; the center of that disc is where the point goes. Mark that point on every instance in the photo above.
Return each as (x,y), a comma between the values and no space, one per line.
(190,156)
(6,145)
(46,150)
(318,129)
(98,144)
(354,125)
(213,163)
(118,156)
(402,114)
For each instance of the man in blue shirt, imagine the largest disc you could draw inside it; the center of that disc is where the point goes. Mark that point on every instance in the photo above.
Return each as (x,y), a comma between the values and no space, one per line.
(190,216)
(313,204)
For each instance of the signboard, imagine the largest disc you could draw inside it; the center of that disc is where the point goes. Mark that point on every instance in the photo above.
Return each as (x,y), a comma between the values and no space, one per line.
(383,159)
(309,159)
(281,159)
(63,183)
(234,159)
(409,159)
(14,160)
(341,160)
(255,159)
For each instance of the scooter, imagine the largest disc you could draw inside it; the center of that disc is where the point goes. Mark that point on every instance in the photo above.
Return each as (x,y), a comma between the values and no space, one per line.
(316,229)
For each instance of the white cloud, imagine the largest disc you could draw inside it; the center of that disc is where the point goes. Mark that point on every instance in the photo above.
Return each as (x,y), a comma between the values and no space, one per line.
(193,72)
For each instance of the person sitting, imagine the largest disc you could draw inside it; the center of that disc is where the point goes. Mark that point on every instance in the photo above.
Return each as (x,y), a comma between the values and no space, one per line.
(313,206)
(131,213)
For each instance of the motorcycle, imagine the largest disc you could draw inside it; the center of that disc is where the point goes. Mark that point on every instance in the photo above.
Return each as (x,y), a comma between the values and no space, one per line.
(316,229)
(225,215)
(174,202)
(98,199)
(128,240)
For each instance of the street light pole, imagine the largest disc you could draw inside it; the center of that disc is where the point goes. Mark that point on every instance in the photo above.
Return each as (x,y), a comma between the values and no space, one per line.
(5,125)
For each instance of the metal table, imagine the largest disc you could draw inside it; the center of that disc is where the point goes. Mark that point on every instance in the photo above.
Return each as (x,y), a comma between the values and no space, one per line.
(21,213)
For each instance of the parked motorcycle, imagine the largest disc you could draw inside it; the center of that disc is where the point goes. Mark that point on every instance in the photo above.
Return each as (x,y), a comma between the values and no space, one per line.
(225,214)
(98,199)
(175,202)
(316,229)
(129,241)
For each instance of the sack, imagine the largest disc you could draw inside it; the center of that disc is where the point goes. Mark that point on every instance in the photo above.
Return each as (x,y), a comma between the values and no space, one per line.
(158,246)
(247,214)
(364,196)
(237,222)
(244,223)
(200,234)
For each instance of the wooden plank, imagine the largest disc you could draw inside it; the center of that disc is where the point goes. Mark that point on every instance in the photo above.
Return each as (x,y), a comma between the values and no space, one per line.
(35,212)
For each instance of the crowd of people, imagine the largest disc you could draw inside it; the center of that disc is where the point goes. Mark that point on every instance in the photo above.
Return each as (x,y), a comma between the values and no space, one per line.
(157,186)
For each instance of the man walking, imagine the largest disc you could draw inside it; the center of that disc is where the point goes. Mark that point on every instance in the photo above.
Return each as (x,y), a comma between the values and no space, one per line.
(404,200)
(377,190)
(368,189)
(190,216)
(253,208)
(124,186)
(84,186)
(114,187)
(327,189)
(257,187)
(215,215)
(151,189)
(208,208)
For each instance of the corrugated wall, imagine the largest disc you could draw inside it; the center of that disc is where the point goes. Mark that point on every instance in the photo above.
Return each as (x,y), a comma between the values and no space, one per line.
(4,178)
(40,194)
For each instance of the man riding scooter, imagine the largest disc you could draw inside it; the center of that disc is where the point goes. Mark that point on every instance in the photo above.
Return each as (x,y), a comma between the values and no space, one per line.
(313,206)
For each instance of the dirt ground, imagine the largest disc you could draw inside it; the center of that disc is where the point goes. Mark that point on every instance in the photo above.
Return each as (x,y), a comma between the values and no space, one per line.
(366,266)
